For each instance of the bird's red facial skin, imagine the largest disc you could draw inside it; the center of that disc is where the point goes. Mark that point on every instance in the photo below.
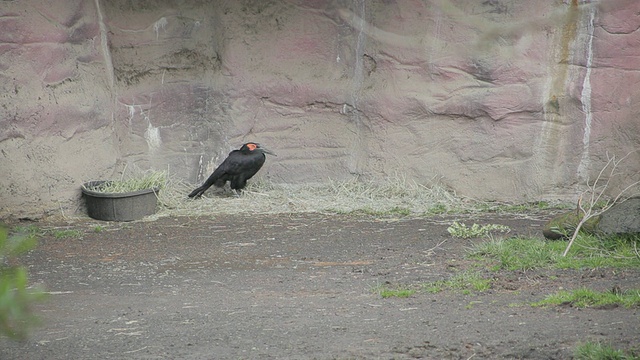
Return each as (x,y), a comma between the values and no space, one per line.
(252,146)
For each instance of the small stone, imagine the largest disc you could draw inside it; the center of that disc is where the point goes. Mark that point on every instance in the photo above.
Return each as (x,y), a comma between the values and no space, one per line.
(621,218)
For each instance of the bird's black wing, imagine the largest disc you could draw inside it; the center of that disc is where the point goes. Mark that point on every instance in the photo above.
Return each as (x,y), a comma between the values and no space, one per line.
(220,175)
(245,170)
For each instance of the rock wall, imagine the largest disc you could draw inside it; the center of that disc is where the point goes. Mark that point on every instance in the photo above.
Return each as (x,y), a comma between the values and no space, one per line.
(499,99)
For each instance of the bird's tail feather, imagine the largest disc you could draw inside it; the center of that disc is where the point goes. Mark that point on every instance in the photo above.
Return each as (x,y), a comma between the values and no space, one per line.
(198,192)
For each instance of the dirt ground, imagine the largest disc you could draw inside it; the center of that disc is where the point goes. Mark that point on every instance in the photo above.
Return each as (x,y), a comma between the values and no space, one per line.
(299,287)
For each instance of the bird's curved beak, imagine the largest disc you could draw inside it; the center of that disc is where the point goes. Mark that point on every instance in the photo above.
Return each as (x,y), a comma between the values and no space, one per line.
(267,151)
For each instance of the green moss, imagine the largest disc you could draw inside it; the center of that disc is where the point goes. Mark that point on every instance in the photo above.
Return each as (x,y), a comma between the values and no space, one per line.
(564,225)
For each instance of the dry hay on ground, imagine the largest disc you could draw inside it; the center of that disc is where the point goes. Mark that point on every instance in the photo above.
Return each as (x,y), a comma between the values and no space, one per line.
(261,196)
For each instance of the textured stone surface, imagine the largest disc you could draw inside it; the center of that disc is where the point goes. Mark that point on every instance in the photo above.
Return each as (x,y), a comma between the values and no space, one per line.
(501,100)
(622,218)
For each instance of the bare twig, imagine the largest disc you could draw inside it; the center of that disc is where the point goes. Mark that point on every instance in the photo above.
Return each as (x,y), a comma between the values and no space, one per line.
(435,247)
(595,193)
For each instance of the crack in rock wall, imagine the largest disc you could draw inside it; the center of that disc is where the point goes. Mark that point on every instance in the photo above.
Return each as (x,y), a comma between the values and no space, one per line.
(500,100)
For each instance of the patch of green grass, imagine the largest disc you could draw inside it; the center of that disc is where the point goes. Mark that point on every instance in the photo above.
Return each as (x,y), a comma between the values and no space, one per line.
(28,230)
(584,297)
(67,233)
(438,209)
(465,282)
(462,231)
(395,211)
(531,253)
(598,351)
(470,305)
(98,229)
(517,253)
(401,211)
(400,292)
(519,208)
(609,251)
(434,287)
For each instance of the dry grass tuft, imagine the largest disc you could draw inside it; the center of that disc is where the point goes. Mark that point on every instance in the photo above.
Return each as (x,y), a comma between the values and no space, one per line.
(140,181)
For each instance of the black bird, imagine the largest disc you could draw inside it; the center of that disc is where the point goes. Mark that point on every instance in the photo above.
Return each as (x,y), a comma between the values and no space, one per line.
(237,168)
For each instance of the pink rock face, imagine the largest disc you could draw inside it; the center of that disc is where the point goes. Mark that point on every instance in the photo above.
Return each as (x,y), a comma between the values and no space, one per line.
(503,100)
